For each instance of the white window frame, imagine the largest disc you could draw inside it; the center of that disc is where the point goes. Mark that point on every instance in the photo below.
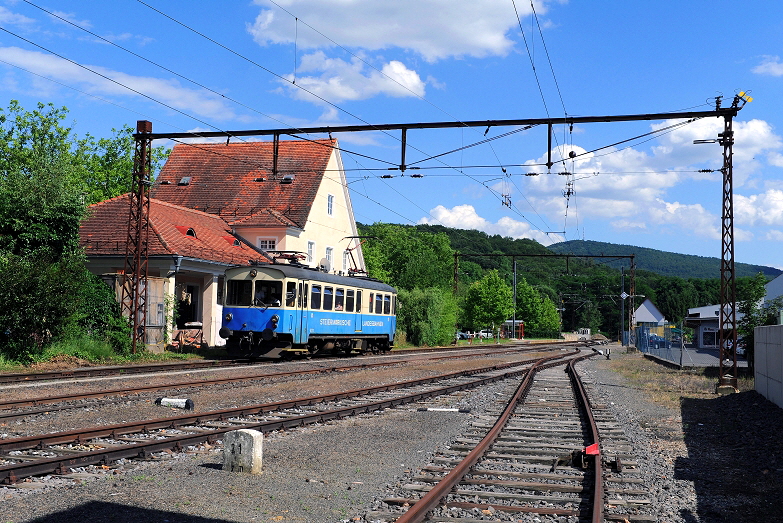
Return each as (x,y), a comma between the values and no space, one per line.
(261,239)
(329,255)
(346,260)
(310,251)
(330,204)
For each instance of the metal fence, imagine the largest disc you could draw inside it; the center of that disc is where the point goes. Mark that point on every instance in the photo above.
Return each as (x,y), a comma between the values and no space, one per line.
(664,342)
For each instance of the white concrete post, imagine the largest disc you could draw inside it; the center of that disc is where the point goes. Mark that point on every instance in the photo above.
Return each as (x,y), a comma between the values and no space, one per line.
(243,451)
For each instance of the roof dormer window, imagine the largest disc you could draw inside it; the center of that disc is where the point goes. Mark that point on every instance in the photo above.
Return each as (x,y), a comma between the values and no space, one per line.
(185,180)
(187,231)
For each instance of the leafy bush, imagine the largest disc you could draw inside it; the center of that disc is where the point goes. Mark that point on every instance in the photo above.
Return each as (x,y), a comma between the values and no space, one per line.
(46,301)
(427,316)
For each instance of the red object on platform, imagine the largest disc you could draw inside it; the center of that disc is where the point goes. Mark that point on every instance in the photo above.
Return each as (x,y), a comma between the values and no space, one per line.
(592,450)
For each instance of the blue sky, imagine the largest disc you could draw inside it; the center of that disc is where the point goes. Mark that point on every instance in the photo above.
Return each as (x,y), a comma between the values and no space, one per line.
(263,64)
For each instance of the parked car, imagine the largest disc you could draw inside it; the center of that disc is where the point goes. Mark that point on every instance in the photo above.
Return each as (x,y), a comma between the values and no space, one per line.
(462,335)
(486,333)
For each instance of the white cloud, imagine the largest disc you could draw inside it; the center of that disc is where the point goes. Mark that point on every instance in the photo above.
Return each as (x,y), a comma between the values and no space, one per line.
(466,217)
(70,17)
(340,80)
(774,235)
(765,208)
(8,17)
(170,92)
(770,65)
(435,29)
(693,217)
(753,139)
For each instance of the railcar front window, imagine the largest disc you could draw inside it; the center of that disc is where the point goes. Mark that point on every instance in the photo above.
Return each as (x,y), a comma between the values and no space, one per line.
(268,293)
(239,292)
(328,298)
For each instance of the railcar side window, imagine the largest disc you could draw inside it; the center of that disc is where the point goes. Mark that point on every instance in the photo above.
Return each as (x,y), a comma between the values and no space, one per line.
(358,301)
(328,294)
(394,310)
(315,299)
(349,300)
(372,294)
(239,292)
(387,304)
(378,304)
(268,293)
(339,299)
(290,294)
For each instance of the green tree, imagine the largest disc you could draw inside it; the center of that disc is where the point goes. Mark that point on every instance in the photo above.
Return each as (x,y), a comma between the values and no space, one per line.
(537,310)
(46,291)
(407,258)
(427,316)
(750,296)
(488,302)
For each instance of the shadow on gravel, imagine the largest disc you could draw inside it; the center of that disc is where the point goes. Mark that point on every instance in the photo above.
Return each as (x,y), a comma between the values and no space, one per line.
(115,512)
(735,458)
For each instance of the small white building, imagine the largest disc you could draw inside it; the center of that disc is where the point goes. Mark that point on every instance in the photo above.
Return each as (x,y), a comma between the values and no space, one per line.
(648,315)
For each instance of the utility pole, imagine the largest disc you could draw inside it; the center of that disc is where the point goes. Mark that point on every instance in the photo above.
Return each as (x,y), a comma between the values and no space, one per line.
(622,306)
(134,282)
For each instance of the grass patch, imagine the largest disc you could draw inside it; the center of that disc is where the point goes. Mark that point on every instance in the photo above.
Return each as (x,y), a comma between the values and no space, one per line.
(666,386)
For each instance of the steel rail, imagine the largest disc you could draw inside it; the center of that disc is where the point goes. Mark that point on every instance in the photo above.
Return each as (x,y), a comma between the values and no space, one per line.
(431,499)
(13,472)
(586,406)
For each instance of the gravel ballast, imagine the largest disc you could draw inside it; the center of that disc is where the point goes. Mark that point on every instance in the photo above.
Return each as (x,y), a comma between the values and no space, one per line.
(719,465)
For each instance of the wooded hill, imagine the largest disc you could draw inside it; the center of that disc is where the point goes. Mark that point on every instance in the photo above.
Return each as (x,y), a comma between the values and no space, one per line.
(660,262)
(585,290)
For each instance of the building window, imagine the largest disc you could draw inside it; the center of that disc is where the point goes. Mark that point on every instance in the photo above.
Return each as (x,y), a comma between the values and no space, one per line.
(329,251)
(310,251)
(330,205)
(266,244)
(346,262)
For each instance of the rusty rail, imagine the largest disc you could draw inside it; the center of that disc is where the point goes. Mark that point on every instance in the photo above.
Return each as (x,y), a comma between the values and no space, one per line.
(584,403)
(418,512)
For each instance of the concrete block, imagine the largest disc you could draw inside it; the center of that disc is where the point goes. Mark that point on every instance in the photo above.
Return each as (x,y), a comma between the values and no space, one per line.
(760,383)
(760,355)
(243,451)
(775,361)
(775,392)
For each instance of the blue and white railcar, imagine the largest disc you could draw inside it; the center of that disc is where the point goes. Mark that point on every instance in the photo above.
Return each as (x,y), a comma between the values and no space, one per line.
(282,310)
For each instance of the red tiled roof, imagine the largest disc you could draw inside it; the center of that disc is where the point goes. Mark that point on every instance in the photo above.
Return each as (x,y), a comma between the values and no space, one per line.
(266,218)
(223,180)
(104,233)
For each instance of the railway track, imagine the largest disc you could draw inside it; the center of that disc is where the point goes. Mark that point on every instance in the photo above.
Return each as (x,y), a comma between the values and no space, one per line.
(13,409)
(59,452)
(128,370)
(549,453)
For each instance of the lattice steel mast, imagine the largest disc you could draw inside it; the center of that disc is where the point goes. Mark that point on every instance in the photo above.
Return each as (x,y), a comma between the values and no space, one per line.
(134,282)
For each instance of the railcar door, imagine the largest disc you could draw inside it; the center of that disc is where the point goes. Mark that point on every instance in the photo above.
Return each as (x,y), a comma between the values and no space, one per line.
(358,315)
(300,329)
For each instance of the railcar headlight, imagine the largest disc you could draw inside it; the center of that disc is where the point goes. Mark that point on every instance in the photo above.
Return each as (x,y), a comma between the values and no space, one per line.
(275,319)
(229,316)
